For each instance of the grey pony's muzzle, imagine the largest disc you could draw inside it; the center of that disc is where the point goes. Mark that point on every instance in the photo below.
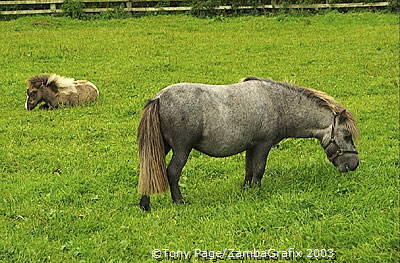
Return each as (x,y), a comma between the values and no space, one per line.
(348,164)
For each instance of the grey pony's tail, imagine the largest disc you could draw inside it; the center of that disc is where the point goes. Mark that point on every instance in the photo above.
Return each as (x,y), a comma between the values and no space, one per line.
(153,173)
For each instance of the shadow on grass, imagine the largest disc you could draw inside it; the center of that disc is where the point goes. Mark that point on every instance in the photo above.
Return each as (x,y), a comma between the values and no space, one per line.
(223,190)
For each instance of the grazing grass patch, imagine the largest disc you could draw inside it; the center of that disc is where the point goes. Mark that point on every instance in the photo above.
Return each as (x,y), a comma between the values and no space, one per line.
(69,176)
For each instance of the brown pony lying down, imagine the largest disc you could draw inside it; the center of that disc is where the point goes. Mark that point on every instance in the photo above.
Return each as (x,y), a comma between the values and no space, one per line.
(56,91)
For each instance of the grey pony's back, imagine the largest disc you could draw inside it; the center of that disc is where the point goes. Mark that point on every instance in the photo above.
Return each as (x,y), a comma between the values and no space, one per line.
(219,120)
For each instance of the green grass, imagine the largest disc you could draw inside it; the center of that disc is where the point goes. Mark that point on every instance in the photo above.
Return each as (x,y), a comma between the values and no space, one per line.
(88,212)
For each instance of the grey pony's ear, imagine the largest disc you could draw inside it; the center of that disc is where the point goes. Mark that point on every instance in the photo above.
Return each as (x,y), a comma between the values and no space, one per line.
(342,116)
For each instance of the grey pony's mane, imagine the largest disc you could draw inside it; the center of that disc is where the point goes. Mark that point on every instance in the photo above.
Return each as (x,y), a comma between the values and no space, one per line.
(320,98)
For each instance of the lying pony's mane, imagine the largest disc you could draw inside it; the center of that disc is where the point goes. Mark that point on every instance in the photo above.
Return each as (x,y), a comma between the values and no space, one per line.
(53,81)
(60,82)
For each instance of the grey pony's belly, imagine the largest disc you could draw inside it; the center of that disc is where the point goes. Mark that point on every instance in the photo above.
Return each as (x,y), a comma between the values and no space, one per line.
(223,144)
(219,150)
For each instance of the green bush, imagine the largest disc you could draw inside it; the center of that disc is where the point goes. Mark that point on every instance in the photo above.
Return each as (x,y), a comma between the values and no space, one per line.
(394,5)
(73,8)
(117,12)
(209,7)
(205,8)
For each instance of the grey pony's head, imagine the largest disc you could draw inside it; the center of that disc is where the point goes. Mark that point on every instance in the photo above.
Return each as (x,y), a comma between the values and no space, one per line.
(338,143)
(38,89)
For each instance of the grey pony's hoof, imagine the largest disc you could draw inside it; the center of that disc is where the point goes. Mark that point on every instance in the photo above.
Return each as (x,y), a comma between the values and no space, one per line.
(181,202)
(144,203)
(145,208)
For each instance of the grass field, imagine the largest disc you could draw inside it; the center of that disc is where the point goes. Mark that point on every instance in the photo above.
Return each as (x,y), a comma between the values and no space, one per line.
(87,212)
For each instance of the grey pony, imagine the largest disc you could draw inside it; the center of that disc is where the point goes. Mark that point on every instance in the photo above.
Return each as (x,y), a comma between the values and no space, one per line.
(222,120)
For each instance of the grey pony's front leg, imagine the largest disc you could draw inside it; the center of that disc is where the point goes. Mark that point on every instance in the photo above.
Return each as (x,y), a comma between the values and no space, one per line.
(258,155)
(249,170)
(174,170)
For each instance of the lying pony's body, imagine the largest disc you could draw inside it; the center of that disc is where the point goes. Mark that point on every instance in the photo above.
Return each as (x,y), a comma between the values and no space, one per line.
(56,91)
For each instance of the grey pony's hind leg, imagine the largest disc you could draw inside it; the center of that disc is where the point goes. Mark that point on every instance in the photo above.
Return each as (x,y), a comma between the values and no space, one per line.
(174,170)
(259,156)
(249,169)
